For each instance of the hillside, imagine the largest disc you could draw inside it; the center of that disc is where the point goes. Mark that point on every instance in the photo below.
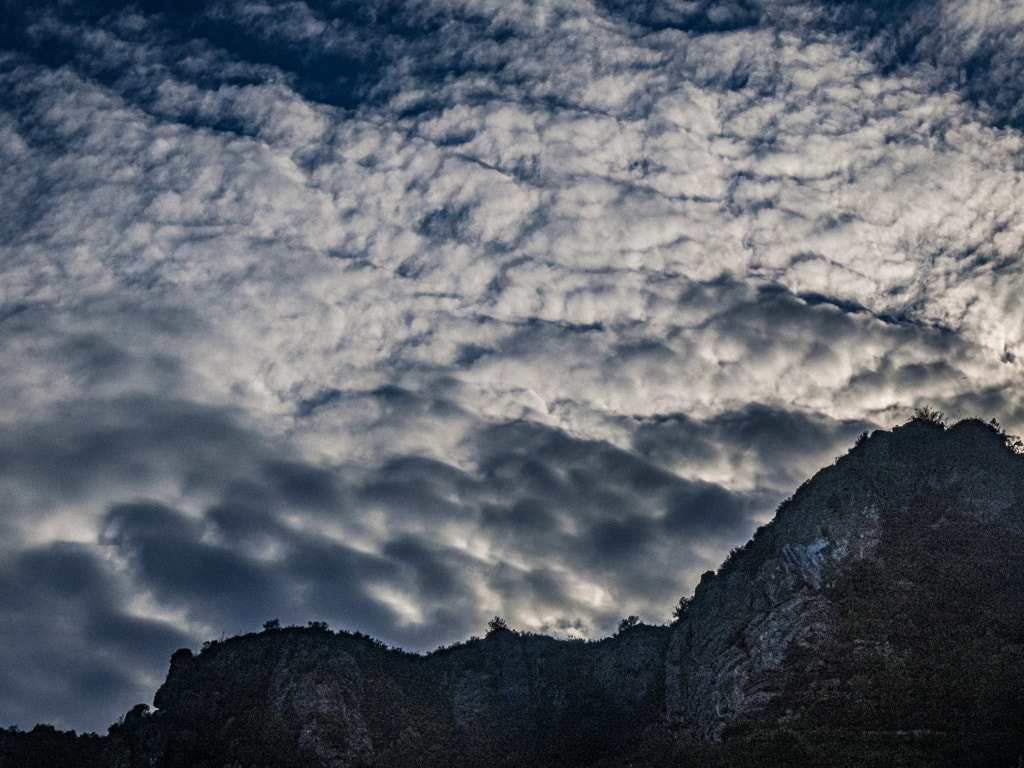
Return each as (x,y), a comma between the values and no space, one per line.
(877,620)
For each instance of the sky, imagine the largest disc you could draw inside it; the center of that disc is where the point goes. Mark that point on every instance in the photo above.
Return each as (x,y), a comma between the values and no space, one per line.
(401,315)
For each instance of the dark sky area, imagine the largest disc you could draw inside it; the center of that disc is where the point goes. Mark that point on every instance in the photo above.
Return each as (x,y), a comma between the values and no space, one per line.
(400,315)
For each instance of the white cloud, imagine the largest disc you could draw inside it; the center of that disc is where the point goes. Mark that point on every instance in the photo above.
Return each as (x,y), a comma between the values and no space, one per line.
(580,215)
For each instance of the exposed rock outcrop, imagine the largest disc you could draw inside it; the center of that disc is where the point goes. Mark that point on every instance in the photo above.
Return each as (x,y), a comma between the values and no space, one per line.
(315,698)
(835,616)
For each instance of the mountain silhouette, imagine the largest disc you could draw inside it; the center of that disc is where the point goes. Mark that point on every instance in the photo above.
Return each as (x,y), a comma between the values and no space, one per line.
(877,620)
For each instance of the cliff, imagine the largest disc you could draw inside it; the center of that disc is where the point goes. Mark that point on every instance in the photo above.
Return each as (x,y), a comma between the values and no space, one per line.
(881,612)
(312,698)
(877,620)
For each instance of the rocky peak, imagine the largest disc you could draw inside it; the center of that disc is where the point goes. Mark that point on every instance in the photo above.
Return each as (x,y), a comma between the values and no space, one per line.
(803,586)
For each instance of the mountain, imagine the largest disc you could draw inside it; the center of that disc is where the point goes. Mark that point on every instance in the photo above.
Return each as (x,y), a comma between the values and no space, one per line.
(310,697)
(878,620)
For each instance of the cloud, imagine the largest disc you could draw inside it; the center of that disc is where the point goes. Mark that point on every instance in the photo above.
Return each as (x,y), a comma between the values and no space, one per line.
(70,642)
(89,449)
(549,530)
(599,234)
(166,548)
(968,47)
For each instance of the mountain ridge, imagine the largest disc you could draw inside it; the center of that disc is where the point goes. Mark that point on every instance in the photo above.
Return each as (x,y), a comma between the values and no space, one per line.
(878,619)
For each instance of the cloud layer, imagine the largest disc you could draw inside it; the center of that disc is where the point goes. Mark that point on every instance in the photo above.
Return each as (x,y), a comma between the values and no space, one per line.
(400,317)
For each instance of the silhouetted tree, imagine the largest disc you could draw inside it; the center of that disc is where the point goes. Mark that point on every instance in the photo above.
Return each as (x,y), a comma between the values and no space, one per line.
(681,610)
(929,414)
(628,623)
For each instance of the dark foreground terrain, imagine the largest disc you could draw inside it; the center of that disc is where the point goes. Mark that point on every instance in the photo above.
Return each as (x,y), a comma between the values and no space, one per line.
(878,620)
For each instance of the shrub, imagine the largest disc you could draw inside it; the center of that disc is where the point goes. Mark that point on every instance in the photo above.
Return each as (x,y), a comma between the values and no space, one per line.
(629,623)
(497,624)
(928,414)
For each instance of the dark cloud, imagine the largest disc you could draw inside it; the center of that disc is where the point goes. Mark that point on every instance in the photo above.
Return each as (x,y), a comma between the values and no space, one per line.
(420,491)
(331,581)
(75,655)
(971,48)
(775,447)
(703,17)
(608,511)
(304,486)
(704,510)
(320,399)
(528,516)
(169,556)
(612,541)
(779,436)
(89,445)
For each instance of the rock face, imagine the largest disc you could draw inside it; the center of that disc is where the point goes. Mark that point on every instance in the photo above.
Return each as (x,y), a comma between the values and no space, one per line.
(877,620)
(767,597)
(885,599)
(248,699)
(313,698)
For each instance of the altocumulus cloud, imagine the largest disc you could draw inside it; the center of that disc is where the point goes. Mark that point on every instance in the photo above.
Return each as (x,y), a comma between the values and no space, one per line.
(400,315)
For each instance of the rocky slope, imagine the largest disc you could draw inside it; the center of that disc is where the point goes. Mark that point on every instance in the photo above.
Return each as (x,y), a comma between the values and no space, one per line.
(881,612)
(877,620)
